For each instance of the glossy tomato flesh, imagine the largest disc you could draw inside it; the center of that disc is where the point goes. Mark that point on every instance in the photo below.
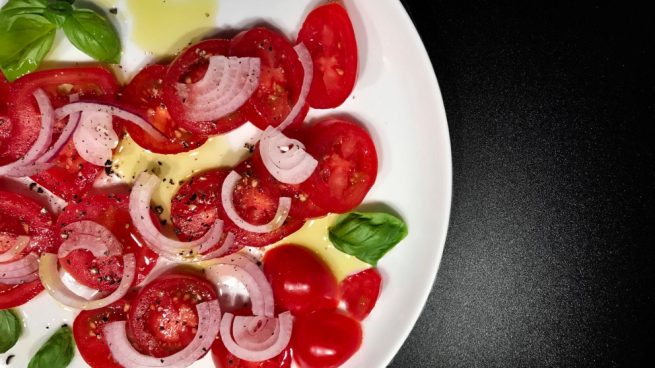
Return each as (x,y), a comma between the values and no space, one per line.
(112,212)
(280,80)
(360,291)
(325,339)
(89,335)
(224,359)
(20,215)
(189,67)
(71,175)
(144,95)
(302,283)
(329,36)
(347,164)
(163,318)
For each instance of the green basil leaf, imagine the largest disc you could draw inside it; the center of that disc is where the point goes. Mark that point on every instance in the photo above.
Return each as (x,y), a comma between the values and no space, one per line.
(58,11)
(24,4)
(94,35)
(10,330)
(57,352)
(367,235)
(24,41)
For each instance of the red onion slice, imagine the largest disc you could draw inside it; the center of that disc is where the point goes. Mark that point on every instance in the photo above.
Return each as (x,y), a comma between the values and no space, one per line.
(256,332)
(20,271)
(285,158)
(91,236)
(49,274)
(73,121)
(209,314)
(308,65)
(21,167)
(95,137)
(27,187)
(260,348)
(16,246)
(225,87)
(74,107)
(172,249)
(227,199)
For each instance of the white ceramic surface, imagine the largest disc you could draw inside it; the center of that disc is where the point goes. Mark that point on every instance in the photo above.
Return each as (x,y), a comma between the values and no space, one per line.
(398,99)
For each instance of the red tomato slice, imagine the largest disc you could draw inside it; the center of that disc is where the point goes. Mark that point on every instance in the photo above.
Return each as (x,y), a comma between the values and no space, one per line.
(197,205)
(224,359)
(89,335)
(302,205)
(5,125)
(347,164)
(329,36)
(163,317)
(302,283)
(112,212)
(21,216)
(144,95)
(71,174)
(189,67)
(360,291)
(325,339)
(280,79)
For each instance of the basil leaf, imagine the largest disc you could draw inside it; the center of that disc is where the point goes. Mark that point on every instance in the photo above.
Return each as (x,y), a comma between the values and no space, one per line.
(94,35)
(19,7)
(58,12)
(367,235)
(24,41)
(10,330)
(57,352)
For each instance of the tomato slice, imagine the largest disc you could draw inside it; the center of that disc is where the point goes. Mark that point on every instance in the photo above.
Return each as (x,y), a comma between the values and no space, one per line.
(20,215)
(5,125)
(302,283)
(112,212)
(89,335)
(326,338)
(347,164)
(144,95)
(224,359)
(280,79)
(360,291)
(163,317)
(197,205)
(329,36)
(71,174)
(189,67)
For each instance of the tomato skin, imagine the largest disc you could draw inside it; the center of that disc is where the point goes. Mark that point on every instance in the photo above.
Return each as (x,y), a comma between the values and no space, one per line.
(169,327)
(224,359)
(360,292)
(20,215)
(347,164)
(329,36)
(280,79)
(189,67)
(89,335)
(71,175)
(302,283)
(144,95)
(325,339)
(112,212)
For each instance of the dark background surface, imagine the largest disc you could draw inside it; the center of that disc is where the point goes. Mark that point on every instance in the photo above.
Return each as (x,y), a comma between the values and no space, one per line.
(549,255)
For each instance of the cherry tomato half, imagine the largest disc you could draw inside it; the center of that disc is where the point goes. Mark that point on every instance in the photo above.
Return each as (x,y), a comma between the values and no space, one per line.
(329,36)
(360,291)
(224,359)
(302,283)
(325,339)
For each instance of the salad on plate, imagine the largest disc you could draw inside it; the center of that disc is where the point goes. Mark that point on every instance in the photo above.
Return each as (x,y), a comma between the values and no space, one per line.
(191,210)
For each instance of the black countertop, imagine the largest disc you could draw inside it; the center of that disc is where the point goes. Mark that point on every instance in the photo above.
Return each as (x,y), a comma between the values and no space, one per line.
(549,255)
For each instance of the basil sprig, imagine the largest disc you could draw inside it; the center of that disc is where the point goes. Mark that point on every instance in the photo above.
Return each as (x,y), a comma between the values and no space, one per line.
(10,330)
(367,235)
(57,352)
(28,29)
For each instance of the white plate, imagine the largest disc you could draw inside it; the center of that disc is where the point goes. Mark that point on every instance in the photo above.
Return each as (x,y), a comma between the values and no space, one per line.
(398,98)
